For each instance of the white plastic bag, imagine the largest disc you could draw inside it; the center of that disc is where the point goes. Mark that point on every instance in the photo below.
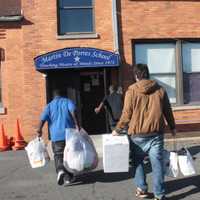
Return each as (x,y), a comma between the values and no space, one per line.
(170,160)
(186,163)
(37,153)
(74,153)
(79,154)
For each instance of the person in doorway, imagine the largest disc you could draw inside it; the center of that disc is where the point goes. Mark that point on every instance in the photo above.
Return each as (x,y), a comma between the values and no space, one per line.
(146,105)
(60,114)
(113,103)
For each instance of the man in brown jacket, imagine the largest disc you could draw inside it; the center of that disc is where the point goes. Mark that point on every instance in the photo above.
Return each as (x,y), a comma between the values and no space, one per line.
(146,106)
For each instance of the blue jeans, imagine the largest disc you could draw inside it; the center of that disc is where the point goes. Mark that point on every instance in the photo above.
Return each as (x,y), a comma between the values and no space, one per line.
(153,147)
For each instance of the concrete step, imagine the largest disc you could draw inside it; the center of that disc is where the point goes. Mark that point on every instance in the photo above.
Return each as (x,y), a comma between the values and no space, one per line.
(169,142)
(180,142)
(97,140)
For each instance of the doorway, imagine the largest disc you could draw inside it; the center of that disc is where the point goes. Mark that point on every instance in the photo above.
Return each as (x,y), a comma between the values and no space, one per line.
(86,88)
(69,80)
(92,92)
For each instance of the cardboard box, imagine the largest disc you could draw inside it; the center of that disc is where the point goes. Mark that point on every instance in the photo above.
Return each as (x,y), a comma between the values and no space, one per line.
(115,153)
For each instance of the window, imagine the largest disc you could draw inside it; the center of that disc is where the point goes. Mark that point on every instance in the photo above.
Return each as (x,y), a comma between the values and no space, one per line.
(10,11)
(191,71)
(1,58)
(10,7)
(75,17)
(170,63)
(0,93)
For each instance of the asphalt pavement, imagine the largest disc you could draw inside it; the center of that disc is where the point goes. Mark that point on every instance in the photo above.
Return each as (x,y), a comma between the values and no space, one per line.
(18,181)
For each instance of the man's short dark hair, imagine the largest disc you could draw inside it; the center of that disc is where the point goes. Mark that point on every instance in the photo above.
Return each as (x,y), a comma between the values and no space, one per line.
(114,87)
(142,71)
(59,91)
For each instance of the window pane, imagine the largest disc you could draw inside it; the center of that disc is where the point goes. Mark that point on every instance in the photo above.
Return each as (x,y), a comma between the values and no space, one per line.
(191,55)
(76,20)
(169,83)
(160,58)
(75,3)
(10,7)
(0,90)
(191,68)
(191,85)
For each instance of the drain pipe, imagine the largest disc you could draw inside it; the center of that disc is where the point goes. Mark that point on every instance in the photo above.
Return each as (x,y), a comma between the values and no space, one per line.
(116,33)
(115,26)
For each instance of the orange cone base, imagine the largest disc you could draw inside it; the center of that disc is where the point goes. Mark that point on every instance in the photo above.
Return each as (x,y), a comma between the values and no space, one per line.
(15,148)
(4,141)
(4,148)
(19,145)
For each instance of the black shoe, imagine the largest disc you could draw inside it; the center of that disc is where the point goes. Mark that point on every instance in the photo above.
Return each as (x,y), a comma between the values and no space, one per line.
(60,177)
(162,198)
(69,179)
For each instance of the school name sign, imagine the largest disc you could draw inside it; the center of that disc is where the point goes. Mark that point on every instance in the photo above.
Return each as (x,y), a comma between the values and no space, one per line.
(76,58)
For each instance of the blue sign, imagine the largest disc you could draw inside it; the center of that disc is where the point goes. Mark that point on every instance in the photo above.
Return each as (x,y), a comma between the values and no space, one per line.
(76,58)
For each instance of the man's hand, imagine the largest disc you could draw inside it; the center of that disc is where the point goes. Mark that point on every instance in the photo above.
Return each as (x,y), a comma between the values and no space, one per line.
(115,133)
(96,110)
(173,131)
(39,129)
(78,127)
(39,133)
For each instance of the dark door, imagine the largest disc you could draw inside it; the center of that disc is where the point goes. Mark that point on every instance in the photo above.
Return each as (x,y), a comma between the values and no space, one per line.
(68,80)
(92,92)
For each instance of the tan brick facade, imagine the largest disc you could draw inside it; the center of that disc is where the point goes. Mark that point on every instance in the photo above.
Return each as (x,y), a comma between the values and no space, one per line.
(23,88)
(159,20)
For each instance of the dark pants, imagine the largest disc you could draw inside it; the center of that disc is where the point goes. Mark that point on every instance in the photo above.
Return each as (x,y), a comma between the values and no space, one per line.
(58,150)
(112,124)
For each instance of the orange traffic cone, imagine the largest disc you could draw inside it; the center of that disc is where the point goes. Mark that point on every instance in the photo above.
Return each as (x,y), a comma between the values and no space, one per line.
(12,142)
(19,142)
(4,142)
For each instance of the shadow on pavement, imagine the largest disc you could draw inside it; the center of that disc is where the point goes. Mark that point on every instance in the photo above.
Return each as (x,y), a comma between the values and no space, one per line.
(100,176)
(194,150)
(175,185)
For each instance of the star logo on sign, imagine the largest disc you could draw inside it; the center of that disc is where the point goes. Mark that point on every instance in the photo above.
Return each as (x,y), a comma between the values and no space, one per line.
(77,59)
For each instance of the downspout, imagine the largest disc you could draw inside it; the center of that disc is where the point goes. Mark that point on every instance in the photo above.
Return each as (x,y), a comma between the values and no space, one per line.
(116,49)
(115,26)
(116,34)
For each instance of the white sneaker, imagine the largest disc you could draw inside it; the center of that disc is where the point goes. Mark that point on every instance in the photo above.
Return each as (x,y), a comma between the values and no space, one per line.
(60,177)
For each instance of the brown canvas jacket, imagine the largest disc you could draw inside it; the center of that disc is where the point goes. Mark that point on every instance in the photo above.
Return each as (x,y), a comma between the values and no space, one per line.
(146,105)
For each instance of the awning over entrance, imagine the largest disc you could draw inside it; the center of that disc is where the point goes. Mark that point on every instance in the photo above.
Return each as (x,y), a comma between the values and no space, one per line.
(76,58)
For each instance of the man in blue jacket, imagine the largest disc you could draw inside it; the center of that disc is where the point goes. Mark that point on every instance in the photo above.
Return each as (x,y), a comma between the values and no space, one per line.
(60,114)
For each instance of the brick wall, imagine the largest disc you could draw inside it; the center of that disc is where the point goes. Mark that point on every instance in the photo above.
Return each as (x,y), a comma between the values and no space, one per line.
(24,92)
(158,20)
(23,88)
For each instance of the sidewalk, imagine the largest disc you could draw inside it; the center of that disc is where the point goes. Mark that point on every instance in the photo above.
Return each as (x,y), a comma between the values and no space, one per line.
(18,181)
(181,141)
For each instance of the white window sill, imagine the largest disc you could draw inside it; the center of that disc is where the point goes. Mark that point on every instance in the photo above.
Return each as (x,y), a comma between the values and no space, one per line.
(191,107)
(2,110)
(15,18)
(78,36)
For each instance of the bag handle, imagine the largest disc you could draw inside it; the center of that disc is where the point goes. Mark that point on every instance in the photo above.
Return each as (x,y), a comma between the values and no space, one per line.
(174,143)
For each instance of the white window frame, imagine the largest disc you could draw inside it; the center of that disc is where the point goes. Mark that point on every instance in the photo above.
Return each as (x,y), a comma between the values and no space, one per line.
(76,35)
(2,109)
(179,65)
